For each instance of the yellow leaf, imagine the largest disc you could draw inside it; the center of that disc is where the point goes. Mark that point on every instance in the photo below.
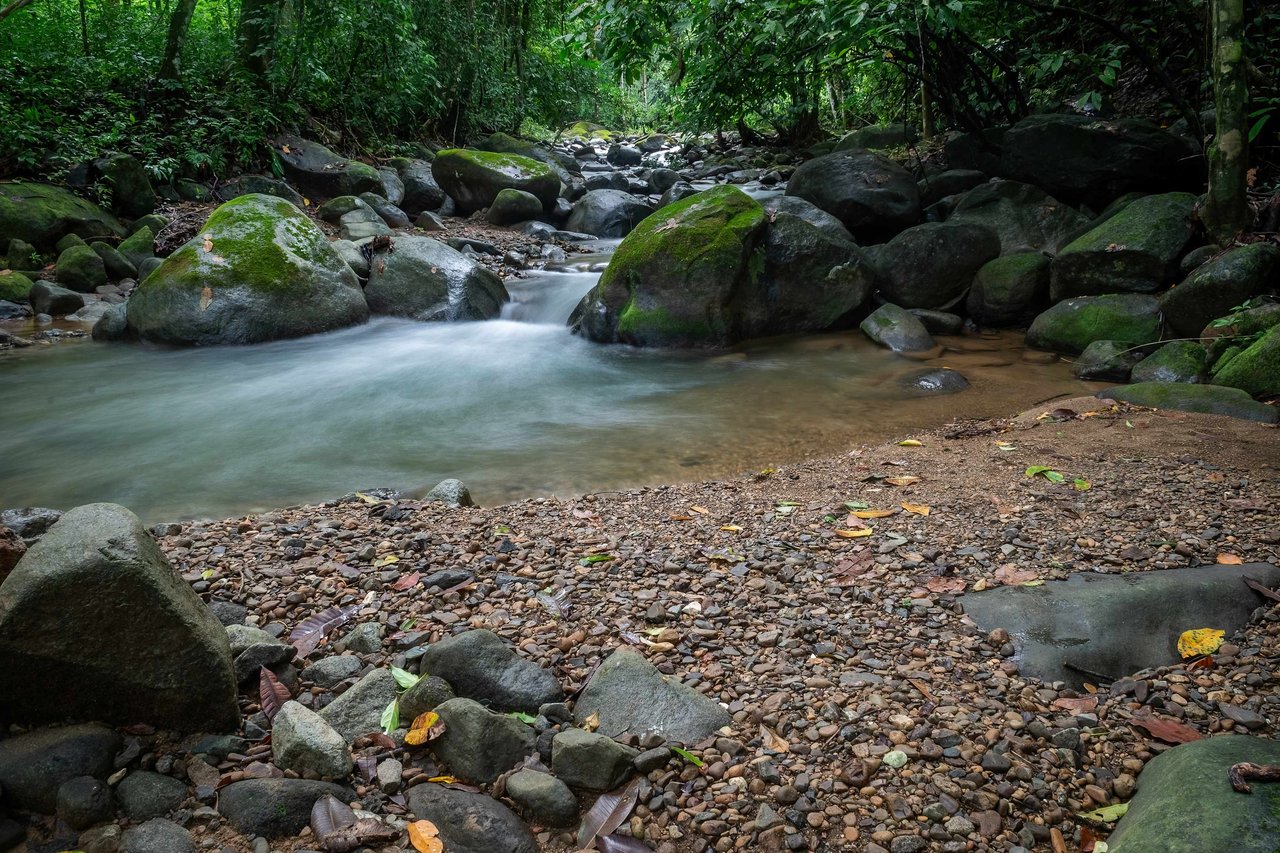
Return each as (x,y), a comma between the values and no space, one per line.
(700,510)
(854,534)
(772,741)
(423,835)
(732,528)
(1225,559)
(444,780)
(901,481)
(367,498)
(206,297)
(385,561)
(910,442)
(917,509)
(872,513)
(1200,641)
(593,722)
(426,728)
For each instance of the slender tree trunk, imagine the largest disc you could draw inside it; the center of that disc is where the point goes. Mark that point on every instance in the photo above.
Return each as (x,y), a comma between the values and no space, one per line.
(179,23)
(926,99)
(1226,209)
(84,27)
(257,32)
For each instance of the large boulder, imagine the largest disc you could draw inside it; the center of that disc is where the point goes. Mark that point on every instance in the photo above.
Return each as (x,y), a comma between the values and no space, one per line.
(628,695)
(158,655)
(1135,251)
(1206,399)
(421,192)
(1216,287)
(480,666)
(872,195)
(479,745)
(1073,324)
(322,174)
(125,182)
(608,213)
(1010,290)
(1090,160)
(505,143)
(261,185)
(1023,216)
(932,265)
(34,765)
(258,270)
(877,136)
(471,822)
(672,279)
(1185,805)
(42,215)
(424,279)
(809,212)
(473,179)
(512,206)
(810,280)
(1256,369)
(81,269)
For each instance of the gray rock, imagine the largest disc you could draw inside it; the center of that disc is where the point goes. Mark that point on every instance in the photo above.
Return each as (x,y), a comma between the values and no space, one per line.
(471,822)
(1207,399)
(661,180)
(48,298)
(275,808)
(392,186)
(241,637)
(934,188)
(157,836)
(321,173)
(809,212)
(303,742)
(1024,217)
(453,492)
(429,692)
(159,655)
(34,766)
(116,264)
(935,380)
(247,184)
(421,192)
(1106,361)
(623,155)
(676,192)
(29,522)
(359,710)
(144,795)
(102,839)
(426,280)
(480,666)
(1219,285)
(228,612)
(364,639)
(84,802)
(893,327)
(361,224)
(330,671)
(608,213)
(249,663)
(1176,361)
(631,696)
(1115,624)
(1010,290)
(932,265)
(1183,785)
(939,322)
(386,210)
(873,196)
(543,796)
(479,745)
(355,259)
(590,761)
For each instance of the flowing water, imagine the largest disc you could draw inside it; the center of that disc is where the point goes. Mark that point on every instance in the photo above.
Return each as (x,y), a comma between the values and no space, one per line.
(515,406)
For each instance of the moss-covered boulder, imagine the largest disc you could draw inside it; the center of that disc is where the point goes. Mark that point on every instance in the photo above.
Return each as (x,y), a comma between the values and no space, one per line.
(124,181)
(608,213)
(1109,361)
(505,143)
(1219,285)
(1023,216)
(424,279)
(117,265)
(672,280)
(138,246)
(1135,251)
(41,215)
(1072,325)
(1256,369)
(1184,802)
(1010,290)
(258,270)
(21,255)
(513,206)
(81,269)
(873,196)
(1176,361)
(14,286)
(473,179)
(932,265)
(322,174)
(898,329)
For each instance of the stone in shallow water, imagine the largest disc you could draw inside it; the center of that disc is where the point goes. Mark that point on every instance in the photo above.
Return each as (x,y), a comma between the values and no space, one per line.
(938,380)
(1116,625)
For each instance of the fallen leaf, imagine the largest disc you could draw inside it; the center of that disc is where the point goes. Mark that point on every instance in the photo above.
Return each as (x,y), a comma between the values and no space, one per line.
(1081,485)
(592,722)
(1057,841)
(1200,641)
(385,561)
(922,687)
(1257,587)
(916,509)
(1006,446)
(945,585)
(674,517)
(901,481)
(772,741)
(309,634)
(1045,471)
(1011,575)
(271,693)
(407,581)
(206,297)
(1225,559)
(872,513)
(1078,704)
(854,534)
(607,813)
(208,243)
(403,677)
(1164,729)
(423,836)
(910,442)
(1106,814)
(688,756)
(732,528)
(621,844)
(328,815)
(700,510)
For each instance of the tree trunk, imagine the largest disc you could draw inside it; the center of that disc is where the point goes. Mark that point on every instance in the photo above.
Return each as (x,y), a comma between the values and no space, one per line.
(84,27)
(257,34)
(1226,209)
(179,23)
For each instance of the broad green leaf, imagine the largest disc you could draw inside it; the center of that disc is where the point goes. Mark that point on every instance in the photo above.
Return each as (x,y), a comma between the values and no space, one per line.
(1107,814)
(391,717)
(404,678)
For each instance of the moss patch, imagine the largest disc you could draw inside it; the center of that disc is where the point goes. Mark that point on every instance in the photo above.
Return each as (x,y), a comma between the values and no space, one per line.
(14,286)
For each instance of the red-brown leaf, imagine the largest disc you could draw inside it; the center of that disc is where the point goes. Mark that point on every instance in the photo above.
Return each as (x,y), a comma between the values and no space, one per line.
(271,692)
(1080,704)
(312,631)
(1166,730)
(408,581)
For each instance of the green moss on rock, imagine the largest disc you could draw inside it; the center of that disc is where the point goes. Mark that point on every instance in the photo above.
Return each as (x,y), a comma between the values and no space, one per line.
(14,286)
(42,214)
(1072,325)
(1257,369)
(474,178)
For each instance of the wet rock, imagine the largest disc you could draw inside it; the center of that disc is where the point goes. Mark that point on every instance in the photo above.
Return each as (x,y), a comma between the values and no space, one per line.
(631,696)
(48,298)
(429,692)
(41,214)
(29,522)
(471,822)
(328,672)
(544,797)
(159,657)
(421,192)
(452,492)
(144,795)
(937,380)
(1209,399)
(359,710)
(932,265)
(951,182)
(424,279)
(480,666)
(1176,361)
(590,761)
(479,745)
(34,766)
(870,194)
(608,213)
(1010,290)
(1073,324)
(1107,360)
(275,808)
(303,742)
(157,836)
(893,327)
(84,802)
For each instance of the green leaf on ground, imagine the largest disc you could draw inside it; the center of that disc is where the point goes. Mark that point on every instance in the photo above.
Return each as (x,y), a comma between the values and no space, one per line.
(689,756)
(403,677)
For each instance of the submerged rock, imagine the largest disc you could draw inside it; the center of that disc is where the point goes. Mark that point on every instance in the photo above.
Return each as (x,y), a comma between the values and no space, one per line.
(898,329)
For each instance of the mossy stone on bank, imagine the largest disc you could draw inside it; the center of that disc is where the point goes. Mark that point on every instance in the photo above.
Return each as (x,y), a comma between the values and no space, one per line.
(1010,290)
(474,178)
(1073,324)
(1206,399)
(1176,361)
(1256,369)
(1219,285)
(81,269)
(320,173)
(14,286)
(1106,361)
(258,270)
(41,214)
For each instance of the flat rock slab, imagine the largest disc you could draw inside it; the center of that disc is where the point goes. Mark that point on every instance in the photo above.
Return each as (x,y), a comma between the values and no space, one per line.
(1115,625)
(33,765)
(1184,803)
(471,822)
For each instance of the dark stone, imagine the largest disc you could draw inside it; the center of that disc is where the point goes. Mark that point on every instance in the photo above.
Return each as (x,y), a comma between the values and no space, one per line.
(1010,290)
(590,761)
(608,213)
(1207,399)
(34,766)
(471,822)
(358,711)
(1176,361)
(84,802)
(131,192)
(320,173)
(1024,217)
(480,666)
(934,188)
(426,280)
(48,298)
(144,795)
(873,196)
(30,522)
(275,808)
(544,797)
(421,192)
(932,265)
(934,380)
(1106,361)
(1219,285)
(480,745)
(427,694)
(157,836)
(260,184)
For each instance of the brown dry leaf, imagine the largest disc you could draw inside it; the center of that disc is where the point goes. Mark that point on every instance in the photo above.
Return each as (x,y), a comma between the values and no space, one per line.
(426,728)
(423,835)
(206,297)
(1011,575)
(916,509)
(1079,704)
(854,534)
(208,243)
(700,510)
(853,567)
(675,517)
(922,687)
(592,722)
(1225,559)
(408,581)
(901,481)
(873,513)
(1166,730)
(1058,841)
(1259,588)
(772,741)
(945,585)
